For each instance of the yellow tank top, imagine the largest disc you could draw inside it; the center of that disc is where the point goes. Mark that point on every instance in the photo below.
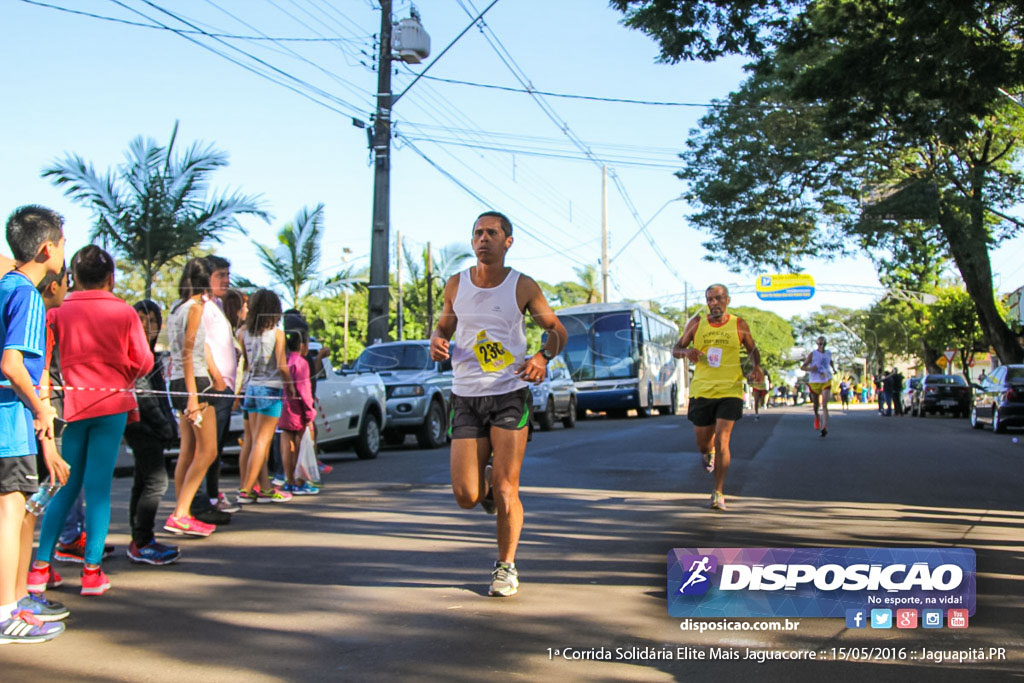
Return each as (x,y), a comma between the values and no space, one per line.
(718,373)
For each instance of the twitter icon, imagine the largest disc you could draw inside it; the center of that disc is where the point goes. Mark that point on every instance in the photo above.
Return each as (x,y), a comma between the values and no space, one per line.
(881,618)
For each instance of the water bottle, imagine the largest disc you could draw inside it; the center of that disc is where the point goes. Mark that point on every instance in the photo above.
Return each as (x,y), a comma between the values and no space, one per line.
(41,499)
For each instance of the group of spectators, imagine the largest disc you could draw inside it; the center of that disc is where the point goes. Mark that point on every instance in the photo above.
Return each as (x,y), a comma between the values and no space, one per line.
(80,372)
(889,390)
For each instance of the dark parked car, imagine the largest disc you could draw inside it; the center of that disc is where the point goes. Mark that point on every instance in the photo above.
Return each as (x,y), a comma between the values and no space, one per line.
(419,390)
(999,399)
(942,393)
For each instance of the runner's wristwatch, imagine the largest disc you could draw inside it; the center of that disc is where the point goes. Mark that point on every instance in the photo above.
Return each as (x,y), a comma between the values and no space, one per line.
(547,354)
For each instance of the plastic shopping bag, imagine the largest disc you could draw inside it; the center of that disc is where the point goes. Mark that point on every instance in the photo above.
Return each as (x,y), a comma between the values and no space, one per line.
(306,466)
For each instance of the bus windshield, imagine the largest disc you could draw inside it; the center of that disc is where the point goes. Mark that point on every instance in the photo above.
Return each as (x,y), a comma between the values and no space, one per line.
(600,346)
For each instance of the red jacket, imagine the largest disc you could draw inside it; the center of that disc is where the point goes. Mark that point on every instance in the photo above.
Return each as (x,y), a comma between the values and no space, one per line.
(102,345)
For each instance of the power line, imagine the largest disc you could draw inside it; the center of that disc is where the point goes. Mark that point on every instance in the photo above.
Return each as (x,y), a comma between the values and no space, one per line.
(483,201)
(352,87)
(230,36)
(538,153)
(571,96)
(248,67)
(521,76)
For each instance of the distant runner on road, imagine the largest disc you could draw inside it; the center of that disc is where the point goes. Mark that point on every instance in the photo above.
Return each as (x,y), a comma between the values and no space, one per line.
(716,393)
(820,368)
(484,308)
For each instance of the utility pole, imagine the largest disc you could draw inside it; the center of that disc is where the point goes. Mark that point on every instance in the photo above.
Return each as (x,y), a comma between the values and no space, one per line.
(398,274)
(430,291)
(604,234)
(377,327)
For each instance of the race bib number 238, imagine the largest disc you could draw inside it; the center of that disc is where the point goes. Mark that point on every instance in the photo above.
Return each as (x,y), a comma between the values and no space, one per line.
(492,355)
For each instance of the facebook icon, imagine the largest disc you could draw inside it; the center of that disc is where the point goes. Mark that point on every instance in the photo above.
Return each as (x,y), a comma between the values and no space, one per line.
(856,618)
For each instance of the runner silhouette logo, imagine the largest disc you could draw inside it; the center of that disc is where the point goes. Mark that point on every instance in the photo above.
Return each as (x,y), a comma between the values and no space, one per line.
(697,581)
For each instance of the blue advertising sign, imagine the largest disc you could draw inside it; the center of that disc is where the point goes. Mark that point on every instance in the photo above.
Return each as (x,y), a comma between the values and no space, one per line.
(818,582)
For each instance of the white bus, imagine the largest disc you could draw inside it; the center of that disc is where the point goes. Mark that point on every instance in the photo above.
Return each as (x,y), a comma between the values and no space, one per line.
(620,357)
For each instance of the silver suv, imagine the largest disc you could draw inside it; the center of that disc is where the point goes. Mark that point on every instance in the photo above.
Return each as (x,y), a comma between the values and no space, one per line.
(419,390)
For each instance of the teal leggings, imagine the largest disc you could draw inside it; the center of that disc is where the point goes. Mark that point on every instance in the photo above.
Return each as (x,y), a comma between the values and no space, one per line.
(90,448)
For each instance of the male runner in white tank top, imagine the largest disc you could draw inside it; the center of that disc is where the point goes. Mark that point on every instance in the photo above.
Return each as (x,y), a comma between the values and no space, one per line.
(483,308)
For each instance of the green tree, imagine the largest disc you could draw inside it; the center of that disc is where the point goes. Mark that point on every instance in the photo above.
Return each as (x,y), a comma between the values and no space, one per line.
(774,337)
(954,324)
(295,262)
(420,305)
(858,120)
(326,317)
(155,207)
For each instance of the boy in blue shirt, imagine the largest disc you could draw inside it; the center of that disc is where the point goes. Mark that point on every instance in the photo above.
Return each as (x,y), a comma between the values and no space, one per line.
(36,238)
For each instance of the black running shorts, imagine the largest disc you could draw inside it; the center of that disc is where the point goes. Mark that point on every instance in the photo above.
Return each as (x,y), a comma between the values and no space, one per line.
(703,412)
(473,416)
(19,473)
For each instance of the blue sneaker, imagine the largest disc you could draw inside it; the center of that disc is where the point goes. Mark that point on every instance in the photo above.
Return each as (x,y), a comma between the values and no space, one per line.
(24,627)
(278,480)
(306,489)
(42,609)
(153,553)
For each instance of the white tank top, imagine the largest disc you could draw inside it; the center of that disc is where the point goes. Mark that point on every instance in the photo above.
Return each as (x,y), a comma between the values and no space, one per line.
(176,323)
(490,339)
(259,352)
(821,370)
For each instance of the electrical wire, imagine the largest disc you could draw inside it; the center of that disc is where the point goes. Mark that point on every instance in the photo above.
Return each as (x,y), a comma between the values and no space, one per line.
(524,227)
(297,81)
(349,85)
(571,96)
(230,36)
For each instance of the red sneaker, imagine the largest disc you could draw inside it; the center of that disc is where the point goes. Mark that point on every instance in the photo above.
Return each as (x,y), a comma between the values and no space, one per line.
(94,582)
(41,579)
(817,422)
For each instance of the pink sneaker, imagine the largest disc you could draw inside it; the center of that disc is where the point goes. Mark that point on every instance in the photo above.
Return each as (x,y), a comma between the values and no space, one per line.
(41,579)
(188,526)
(94,582)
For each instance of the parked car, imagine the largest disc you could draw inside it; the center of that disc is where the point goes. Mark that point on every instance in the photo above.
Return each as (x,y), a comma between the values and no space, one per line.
(419,390)
(352,410)
(908,392)
(942,393)
(555,397)
(999,399)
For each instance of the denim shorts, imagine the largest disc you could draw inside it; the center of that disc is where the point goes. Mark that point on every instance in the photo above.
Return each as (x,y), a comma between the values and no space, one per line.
(263,400)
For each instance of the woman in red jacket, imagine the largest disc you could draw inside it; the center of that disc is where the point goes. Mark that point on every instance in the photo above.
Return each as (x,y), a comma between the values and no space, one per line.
(102,346)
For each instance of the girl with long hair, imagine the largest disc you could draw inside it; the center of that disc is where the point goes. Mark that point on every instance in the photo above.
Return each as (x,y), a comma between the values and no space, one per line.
(267,380)
(190,378)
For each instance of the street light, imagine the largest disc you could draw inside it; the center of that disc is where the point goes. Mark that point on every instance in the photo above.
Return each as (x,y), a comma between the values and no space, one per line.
(644,227)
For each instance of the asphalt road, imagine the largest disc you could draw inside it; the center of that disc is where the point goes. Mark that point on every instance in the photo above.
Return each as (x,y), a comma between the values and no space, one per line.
(383,577)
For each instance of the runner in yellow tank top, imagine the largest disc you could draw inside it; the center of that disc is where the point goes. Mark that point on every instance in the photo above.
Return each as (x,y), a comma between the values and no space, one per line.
(713,343)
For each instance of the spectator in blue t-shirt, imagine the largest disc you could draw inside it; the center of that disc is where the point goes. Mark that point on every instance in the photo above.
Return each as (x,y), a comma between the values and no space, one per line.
(36,238)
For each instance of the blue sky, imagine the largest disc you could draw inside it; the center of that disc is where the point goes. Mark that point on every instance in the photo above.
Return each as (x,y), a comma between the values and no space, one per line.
(84,85)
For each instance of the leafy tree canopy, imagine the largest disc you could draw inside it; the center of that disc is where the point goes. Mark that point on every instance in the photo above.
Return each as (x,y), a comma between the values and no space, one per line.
(811,157)
(156,206)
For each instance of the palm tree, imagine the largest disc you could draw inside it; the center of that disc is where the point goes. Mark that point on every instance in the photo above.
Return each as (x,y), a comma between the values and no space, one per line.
(155,208)
(589,279)
(295,262)
(428,283)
